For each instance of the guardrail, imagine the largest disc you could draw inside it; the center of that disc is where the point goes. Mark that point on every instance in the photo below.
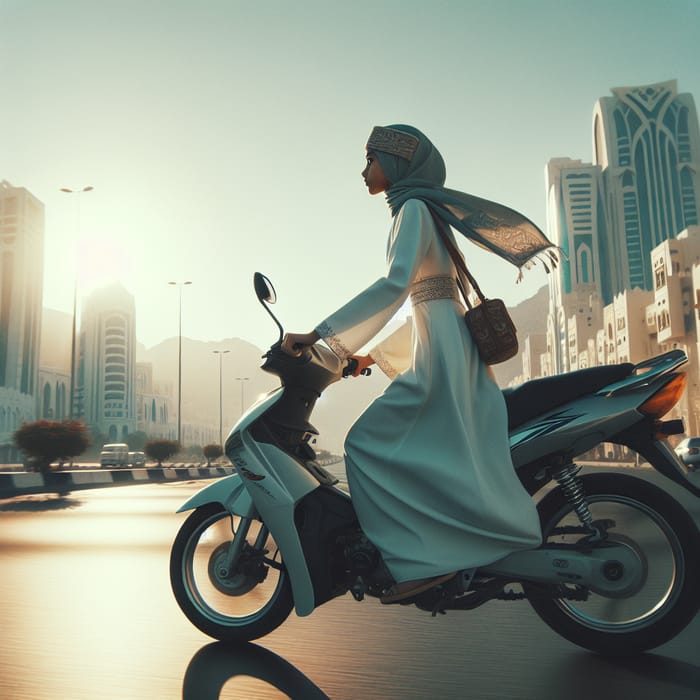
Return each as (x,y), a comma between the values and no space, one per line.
(62,482)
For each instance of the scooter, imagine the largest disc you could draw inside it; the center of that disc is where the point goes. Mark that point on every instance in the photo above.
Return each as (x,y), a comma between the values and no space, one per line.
(618,571)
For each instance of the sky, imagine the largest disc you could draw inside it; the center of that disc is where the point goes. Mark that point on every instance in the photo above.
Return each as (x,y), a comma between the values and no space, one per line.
(224,137)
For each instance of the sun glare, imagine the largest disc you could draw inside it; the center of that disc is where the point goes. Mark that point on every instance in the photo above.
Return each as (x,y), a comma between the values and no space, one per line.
(100,263)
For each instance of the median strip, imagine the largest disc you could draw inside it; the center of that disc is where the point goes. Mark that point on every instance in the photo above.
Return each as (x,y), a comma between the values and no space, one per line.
(26,483)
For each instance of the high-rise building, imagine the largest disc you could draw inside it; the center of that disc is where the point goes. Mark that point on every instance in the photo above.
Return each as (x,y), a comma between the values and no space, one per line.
(21,287)
(647,143)
(642,188)
(105,387)
(576,223)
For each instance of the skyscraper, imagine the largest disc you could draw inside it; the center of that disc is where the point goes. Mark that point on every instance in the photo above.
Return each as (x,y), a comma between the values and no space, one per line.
(642,188)
(647,144)
(105,395)
(21,286)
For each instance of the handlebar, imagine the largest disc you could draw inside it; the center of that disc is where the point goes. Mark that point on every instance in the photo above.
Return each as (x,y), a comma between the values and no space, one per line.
(352,366)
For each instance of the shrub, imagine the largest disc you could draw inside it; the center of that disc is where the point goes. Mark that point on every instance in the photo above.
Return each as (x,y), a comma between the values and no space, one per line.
(47,441)
(213,451)
(161,449)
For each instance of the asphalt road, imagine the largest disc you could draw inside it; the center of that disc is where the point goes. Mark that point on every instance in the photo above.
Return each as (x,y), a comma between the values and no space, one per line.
(88,613)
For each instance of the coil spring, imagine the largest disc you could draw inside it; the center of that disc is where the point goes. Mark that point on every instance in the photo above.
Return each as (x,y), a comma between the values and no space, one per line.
(572,488)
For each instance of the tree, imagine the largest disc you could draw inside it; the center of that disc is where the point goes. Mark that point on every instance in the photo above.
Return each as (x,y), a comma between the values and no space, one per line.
(47,441)
(212,451)
(161,449)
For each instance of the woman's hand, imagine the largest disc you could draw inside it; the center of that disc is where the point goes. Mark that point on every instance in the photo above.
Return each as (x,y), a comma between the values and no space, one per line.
(295,343)
(363,362)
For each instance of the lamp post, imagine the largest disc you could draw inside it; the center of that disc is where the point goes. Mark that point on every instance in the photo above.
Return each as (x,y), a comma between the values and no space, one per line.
(179,285)
(221,353)
(71,398)
(241,380)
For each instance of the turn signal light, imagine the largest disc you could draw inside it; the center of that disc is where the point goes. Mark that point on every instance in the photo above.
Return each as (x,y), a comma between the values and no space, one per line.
(665,398)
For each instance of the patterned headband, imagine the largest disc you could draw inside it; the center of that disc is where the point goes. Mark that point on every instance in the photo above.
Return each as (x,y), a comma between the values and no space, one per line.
(398,143)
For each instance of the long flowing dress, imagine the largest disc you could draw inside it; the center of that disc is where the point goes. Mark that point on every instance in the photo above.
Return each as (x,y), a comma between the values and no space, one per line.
(428,463)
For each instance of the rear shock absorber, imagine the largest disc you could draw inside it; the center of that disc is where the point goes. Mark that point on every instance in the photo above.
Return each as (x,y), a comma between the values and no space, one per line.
(572,488)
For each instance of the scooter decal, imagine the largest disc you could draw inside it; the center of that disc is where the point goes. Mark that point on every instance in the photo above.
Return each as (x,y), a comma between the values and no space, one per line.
(544,427)
(249,474)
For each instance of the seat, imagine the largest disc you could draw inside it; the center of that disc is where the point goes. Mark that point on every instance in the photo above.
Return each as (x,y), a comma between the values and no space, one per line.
(540,395)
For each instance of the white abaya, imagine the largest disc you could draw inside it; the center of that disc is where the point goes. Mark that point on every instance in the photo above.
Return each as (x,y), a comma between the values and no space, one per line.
(428,462)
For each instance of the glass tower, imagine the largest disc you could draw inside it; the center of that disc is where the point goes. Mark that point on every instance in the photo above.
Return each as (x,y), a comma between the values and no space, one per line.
(647,144)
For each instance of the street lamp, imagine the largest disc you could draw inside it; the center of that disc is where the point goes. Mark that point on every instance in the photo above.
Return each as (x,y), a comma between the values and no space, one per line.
(241,380)
(71,398)
(221,353)
(179,285)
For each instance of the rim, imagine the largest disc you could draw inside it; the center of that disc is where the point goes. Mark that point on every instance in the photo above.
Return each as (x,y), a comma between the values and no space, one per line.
(661,552)
(233,601)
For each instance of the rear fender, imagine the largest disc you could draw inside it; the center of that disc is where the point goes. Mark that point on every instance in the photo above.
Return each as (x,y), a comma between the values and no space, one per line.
(230,492)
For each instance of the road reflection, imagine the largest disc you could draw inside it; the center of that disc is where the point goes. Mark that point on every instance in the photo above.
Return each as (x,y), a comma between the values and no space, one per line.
(217,663)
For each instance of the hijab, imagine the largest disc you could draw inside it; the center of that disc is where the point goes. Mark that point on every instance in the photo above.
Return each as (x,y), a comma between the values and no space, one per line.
(416,170)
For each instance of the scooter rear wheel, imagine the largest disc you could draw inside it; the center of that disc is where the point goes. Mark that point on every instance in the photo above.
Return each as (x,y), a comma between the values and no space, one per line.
(664,536)
(246,603)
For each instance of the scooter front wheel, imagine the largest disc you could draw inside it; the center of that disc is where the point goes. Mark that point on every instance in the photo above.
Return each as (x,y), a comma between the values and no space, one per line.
(246,602)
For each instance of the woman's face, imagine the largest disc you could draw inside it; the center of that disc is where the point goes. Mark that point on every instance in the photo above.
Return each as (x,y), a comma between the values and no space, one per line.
(374,176)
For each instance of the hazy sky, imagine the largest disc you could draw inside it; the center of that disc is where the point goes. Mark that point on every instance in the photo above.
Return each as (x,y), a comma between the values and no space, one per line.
(225,137)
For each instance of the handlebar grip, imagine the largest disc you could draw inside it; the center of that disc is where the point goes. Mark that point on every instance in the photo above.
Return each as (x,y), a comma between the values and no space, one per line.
(351,366)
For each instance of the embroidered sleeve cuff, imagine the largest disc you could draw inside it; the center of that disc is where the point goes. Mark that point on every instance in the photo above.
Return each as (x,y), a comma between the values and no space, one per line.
(333,341)
(383,363)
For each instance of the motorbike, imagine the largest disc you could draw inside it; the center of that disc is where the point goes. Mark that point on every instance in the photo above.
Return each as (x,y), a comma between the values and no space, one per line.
(618,569)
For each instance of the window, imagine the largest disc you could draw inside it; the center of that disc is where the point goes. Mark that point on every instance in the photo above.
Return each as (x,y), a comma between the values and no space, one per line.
(659,277)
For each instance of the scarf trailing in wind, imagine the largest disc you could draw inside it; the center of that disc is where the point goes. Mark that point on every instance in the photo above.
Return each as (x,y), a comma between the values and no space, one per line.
(416,170)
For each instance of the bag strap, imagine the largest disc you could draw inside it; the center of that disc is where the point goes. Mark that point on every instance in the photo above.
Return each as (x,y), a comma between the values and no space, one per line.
(461,266)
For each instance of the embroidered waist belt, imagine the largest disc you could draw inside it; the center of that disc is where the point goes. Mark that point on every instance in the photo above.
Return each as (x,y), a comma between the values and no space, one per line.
(434,288)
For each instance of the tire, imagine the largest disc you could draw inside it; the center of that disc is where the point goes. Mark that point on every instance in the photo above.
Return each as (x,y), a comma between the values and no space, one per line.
(667,540)
(246,605)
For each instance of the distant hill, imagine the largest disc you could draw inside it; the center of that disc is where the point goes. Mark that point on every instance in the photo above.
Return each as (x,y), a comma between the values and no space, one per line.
(200,375)
(530,318)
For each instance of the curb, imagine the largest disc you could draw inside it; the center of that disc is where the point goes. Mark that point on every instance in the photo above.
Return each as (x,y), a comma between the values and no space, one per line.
(25,483)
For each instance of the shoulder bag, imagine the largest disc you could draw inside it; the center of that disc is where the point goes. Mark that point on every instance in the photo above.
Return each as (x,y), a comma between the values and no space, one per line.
(489,322)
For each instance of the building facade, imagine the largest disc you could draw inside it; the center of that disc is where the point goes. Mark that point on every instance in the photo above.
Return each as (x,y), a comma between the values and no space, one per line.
(21,288)
(607,216)
(105,386)
(646,141)
(156,413)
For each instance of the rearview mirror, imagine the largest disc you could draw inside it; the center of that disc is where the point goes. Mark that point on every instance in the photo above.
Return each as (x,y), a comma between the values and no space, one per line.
(264,289)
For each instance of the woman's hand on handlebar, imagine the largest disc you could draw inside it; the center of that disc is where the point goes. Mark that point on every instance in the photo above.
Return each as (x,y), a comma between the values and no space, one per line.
(360,364)
(294,344)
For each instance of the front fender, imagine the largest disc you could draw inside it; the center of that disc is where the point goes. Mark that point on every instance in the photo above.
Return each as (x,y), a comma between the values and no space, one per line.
(230,492)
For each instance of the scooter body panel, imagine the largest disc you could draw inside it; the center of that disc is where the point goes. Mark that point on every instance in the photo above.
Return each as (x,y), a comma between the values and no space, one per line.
(276,483)
(230,491)
(578,426)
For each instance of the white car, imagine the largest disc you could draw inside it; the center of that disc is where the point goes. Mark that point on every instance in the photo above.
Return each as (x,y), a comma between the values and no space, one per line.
(114,454)
(689,452)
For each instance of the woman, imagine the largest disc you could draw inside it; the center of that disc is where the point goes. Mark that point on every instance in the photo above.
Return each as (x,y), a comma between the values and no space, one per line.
(428,463)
